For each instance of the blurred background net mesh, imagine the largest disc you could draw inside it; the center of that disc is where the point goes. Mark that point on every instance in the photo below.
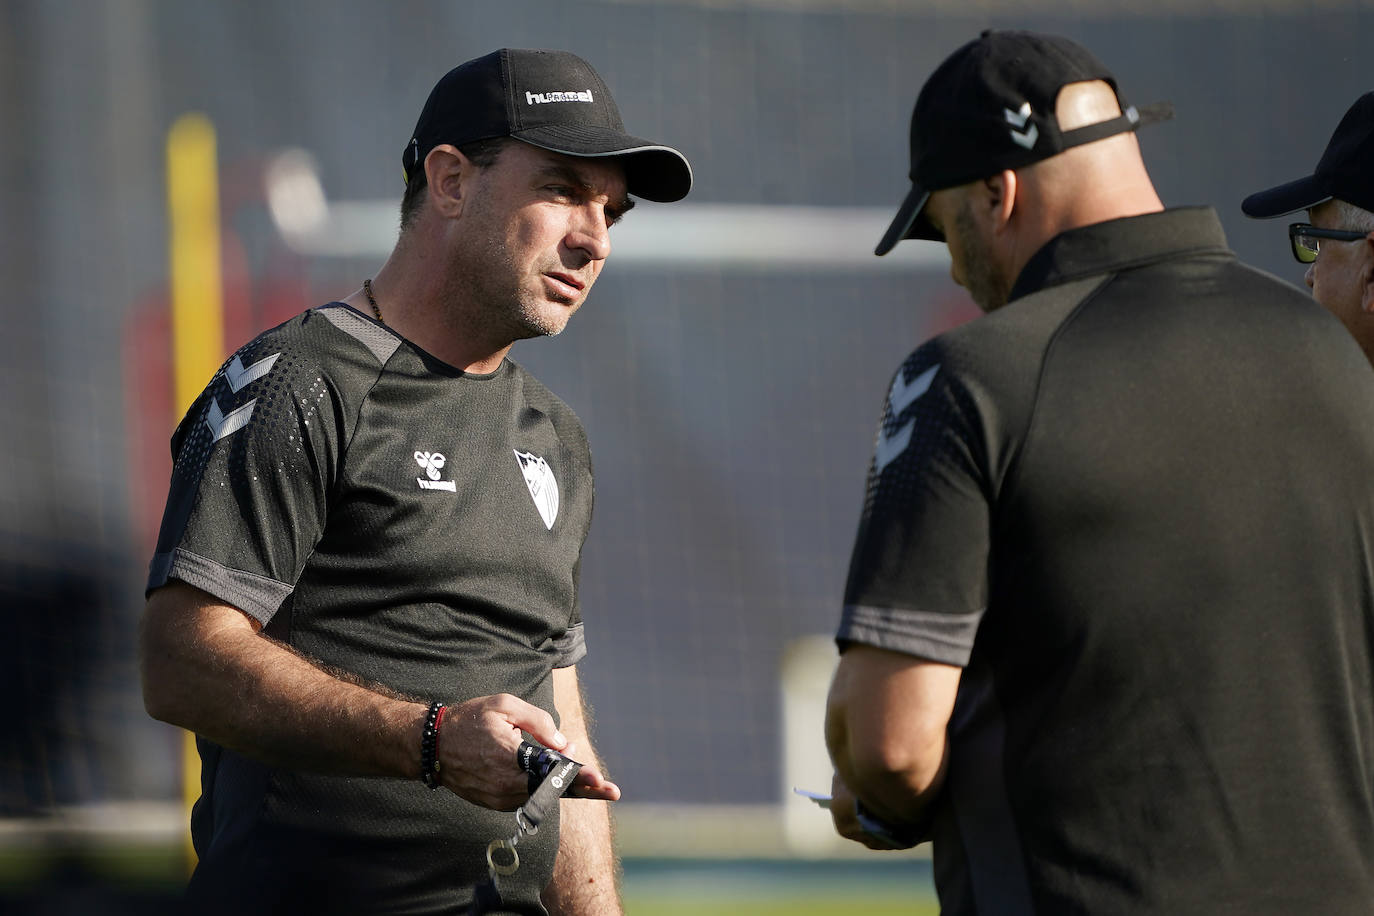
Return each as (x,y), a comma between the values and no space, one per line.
(729,367)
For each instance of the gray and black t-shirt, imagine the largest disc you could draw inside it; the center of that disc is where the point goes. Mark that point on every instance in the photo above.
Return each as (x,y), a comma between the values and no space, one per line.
(1136,505)
(394,517)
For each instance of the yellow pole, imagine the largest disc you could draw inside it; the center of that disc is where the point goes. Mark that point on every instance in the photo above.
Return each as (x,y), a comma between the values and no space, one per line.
(197,307)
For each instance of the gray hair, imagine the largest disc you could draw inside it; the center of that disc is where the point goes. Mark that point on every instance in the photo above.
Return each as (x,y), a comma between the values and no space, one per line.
(1352,217)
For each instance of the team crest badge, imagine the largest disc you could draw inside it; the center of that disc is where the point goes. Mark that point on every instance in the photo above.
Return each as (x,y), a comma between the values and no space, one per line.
(543,487)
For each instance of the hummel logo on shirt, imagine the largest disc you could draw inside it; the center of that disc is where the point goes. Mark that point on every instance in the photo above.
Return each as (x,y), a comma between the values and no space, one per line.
(238,377)
(543,487)
(902,396)
(433,462)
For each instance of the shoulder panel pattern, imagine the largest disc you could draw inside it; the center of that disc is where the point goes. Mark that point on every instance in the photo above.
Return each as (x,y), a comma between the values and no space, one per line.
(381,342)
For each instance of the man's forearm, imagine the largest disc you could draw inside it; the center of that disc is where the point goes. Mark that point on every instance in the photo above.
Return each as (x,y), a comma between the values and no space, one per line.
(895,793)
(206,669)
(885,728)
(586,874)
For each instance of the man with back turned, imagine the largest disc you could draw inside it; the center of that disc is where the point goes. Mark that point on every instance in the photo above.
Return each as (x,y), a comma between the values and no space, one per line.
(1107,630)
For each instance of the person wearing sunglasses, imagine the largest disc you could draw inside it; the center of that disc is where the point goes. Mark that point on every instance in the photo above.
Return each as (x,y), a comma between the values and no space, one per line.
(1337,240)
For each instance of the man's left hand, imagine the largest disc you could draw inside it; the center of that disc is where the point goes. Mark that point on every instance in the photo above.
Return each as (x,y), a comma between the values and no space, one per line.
(843,811)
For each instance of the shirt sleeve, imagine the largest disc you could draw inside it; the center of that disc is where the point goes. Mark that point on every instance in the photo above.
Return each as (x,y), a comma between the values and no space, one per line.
(918,574)
(571,647)
(254,460)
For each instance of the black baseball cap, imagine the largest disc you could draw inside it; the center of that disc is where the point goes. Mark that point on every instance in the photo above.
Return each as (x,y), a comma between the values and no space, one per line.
(991,106)
(550,99)
(1345,171)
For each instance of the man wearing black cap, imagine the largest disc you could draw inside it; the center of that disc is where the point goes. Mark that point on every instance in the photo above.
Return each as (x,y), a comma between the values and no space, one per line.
(1106,635)
(365,586)
(1337,241)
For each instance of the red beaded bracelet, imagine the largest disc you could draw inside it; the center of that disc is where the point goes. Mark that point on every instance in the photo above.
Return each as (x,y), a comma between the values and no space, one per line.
(429,745)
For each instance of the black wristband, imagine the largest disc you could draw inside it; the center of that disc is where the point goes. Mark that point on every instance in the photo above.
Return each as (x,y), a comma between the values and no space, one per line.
(429,745)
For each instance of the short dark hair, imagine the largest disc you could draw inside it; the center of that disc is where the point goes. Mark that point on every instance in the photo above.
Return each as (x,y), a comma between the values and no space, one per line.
(481,153)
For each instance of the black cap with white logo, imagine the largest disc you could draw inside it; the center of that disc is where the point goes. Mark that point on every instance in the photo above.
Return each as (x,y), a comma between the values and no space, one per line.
(550,99)
(1345,171)
(991,106)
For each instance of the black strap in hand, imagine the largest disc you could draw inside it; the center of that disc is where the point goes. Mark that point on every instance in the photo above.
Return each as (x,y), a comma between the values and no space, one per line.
(555,774)
(551,776)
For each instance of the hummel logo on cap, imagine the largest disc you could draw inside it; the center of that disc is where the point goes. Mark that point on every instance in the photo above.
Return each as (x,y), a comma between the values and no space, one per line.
(544,98)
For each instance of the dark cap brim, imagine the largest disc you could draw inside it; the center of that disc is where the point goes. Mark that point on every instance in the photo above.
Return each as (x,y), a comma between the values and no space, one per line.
(652,171)
(1286,198)
(905,224)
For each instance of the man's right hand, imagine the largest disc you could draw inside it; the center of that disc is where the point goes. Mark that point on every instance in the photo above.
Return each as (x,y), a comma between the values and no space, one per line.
(477,746)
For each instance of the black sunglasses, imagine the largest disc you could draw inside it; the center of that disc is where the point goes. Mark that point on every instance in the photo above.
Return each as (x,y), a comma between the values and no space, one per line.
(1304,238)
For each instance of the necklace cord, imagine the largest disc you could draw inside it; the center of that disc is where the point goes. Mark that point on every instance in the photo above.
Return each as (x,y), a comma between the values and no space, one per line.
(371,299)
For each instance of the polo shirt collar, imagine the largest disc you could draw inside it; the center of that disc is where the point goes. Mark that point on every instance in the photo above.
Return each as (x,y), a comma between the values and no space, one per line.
(1117,244)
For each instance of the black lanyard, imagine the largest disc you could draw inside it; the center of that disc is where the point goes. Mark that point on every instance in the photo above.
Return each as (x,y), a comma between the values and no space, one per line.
(550,775)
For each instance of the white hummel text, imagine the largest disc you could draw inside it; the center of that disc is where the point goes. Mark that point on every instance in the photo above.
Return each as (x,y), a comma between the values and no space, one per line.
(542,485)
(543,98)
(1017,119)
(902,396)
(433,462)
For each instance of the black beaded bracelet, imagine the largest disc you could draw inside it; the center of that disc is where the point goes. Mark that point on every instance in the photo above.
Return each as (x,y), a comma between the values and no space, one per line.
(429,745)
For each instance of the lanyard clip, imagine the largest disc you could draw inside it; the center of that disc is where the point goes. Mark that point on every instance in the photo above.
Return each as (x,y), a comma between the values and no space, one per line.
(502,859)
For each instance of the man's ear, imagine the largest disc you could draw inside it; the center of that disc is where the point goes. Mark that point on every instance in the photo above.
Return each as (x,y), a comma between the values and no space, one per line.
(445,170)
(1000,198)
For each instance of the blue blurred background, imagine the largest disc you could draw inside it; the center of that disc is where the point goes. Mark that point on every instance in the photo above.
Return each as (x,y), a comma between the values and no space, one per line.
(729,366)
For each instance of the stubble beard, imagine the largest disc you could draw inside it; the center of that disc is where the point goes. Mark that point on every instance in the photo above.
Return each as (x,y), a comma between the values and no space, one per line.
(531,310)
(506,308)
(985,283)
